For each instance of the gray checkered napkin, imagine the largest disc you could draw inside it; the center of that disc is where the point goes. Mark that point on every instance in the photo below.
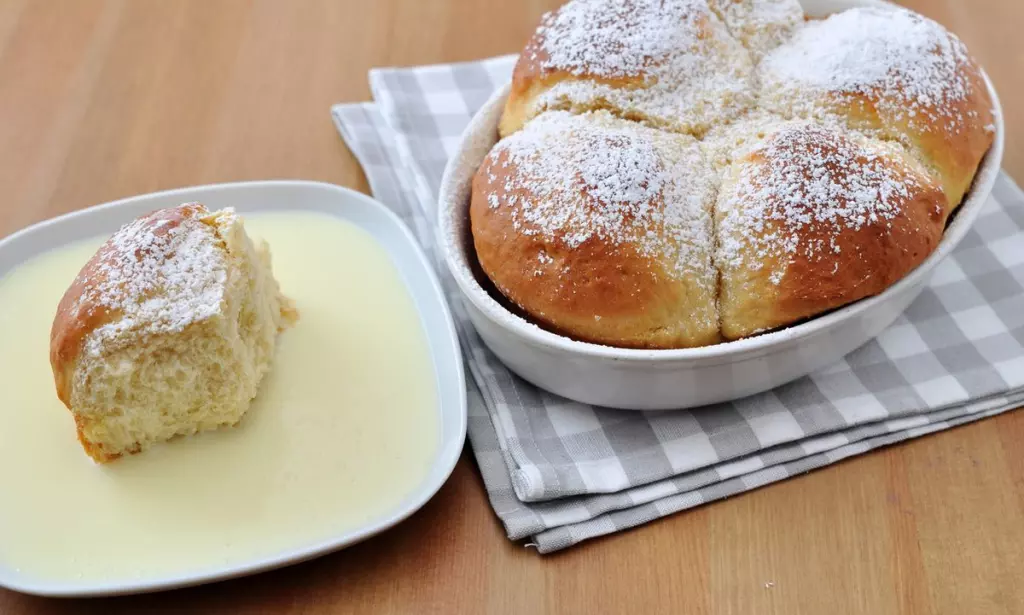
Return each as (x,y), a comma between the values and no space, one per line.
(559,472)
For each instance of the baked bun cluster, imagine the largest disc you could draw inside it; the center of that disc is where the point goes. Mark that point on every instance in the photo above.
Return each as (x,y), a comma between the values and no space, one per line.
(168,330)
(677,173)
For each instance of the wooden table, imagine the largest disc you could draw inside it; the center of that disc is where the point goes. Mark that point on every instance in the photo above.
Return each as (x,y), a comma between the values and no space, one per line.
(105,99)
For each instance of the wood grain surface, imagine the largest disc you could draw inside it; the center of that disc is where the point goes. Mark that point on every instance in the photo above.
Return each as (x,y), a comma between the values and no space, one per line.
(101,99)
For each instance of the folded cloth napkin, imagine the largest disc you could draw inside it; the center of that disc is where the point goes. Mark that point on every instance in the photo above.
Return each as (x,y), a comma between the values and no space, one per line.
(559,472)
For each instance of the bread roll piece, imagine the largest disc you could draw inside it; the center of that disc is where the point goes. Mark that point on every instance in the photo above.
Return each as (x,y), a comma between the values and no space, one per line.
(168,330)
(600,229)
(668,63)
(895,75)
(810,219)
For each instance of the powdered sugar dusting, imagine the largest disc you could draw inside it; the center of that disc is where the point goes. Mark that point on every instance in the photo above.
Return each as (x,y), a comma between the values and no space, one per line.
(159,273)
(761,25)
(617,38)
(810,178)
(911,66)
(639,187)
(690,72)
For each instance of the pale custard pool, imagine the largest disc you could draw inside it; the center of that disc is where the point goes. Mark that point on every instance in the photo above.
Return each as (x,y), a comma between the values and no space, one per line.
(344,427)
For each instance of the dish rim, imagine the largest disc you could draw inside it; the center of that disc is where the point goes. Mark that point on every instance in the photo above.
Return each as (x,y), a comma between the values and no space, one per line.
(536,336)
(449,449)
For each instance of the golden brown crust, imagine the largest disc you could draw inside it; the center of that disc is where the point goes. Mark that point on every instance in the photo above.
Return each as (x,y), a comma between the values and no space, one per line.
(953,155)
(531,77)
(531,82)
(586,57)
(933,99)
(79,313)
(956,154)
(605,289)
(832,262)
(611,295)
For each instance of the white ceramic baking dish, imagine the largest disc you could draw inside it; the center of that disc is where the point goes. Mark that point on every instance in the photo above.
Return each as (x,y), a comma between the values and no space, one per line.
(666,379)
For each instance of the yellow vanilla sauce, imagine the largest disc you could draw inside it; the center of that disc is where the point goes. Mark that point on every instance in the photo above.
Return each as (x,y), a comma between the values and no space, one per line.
(344,427)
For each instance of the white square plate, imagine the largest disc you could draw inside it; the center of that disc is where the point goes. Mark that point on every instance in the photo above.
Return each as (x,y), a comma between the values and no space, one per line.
(268,196)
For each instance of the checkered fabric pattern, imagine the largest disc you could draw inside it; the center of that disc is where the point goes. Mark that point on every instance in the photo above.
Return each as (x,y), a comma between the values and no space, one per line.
(559,472)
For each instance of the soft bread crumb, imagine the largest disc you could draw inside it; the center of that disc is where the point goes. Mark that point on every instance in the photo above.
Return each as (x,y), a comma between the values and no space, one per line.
(168,331)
